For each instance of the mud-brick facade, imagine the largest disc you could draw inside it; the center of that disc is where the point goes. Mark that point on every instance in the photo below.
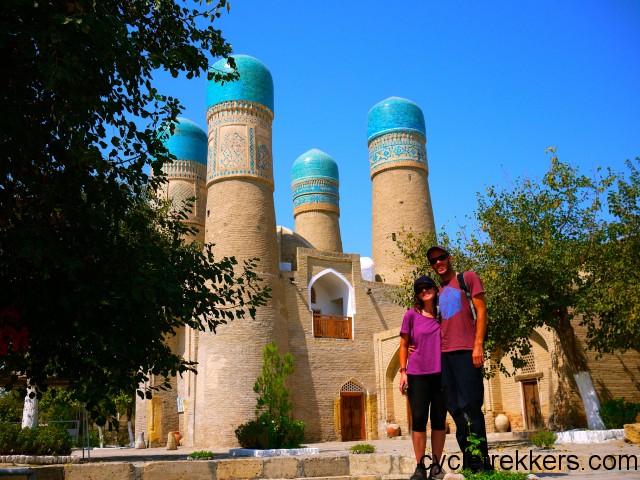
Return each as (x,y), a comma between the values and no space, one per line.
(330,309)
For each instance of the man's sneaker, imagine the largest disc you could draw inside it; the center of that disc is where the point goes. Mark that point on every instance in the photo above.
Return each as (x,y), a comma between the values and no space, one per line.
(437,472)
(420,473)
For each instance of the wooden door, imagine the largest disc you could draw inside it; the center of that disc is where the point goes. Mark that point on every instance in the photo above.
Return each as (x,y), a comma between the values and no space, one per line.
(532,405)
(352,416)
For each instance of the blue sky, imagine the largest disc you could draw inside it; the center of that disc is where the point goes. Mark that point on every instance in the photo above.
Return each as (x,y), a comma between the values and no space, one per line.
(498,82)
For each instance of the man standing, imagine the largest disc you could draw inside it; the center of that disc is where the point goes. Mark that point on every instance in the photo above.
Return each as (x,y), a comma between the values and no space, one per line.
(462,353)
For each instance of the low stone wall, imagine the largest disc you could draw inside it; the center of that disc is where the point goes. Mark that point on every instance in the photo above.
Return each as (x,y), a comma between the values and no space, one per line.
(351,467)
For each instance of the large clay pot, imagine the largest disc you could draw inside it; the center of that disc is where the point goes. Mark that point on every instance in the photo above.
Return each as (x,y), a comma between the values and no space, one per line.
(502,422)
(393,430)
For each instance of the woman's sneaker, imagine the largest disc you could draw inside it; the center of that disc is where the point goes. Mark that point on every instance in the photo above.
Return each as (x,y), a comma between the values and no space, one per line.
(420,473)
(437,472)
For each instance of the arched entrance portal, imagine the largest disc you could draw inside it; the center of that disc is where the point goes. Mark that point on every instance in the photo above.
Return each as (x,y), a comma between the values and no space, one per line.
(352,425)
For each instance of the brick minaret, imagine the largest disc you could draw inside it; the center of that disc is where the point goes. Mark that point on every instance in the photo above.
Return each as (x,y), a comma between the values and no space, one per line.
(316,209)
(399,175)
(240,221)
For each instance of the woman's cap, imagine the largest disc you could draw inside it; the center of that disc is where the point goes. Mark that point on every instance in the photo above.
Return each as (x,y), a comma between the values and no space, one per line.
(423,281)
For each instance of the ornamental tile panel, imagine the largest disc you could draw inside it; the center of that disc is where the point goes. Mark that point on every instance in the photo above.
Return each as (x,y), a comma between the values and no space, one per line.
(264,158)
(232,148)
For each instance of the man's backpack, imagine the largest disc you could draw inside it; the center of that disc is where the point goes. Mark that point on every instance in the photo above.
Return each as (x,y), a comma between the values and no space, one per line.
(467,293)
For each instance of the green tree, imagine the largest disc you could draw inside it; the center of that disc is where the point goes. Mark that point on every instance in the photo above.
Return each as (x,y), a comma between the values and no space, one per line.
(273,393)
(274,427)
(551,254)
(610,304)
(94,275)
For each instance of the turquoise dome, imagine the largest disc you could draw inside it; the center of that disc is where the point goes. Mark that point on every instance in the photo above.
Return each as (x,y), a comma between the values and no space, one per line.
(188,142)
(395,114)
(314,164)
(254,85)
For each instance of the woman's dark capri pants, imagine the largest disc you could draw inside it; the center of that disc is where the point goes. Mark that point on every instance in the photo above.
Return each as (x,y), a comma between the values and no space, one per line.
(425,391)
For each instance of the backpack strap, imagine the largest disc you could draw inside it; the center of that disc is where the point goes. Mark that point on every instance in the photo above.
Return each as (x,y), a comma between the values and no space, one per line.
(467,293)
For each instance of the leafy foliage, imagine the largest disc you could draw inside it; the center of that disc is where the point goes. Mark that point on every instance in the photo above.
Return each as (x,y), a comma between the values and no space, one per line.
(617,412)
(92,267)
(544,439)
(274,427)
(253,435)
(473,444)
(46,440)
(494,475)
(610,303)
(11,406)
(273,394)
(271,431)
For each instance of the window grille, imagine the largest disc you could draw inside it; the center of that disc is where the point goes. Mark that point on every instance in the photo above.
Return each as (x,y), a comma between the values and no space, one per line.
(530,367)
(351,386)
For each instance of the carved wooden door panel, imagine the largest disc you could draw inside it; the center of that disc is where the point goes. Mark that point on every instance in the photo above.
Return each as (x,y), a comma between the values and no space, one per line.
(352,416)
(532,405)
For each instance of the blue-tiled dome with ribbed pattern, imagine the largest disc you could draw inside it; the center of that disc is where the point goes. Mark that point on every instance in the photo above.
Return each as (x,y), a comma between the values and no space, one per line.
(254,85)
(395,114)
(188,142)
(314,164)
(315,183)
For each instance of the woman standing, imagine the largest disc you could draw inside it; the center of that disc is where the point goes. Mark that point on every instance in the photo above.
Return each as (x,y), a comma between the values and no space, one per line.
(420,378)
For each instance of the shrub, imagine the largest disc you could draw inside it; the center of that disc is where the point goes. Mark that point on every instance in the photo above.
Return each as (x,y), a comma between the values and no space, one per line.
(271,432)
(544,439)
(617,412)
(252,435)
(9,434)
(51,440)
(362,448)
(47,440)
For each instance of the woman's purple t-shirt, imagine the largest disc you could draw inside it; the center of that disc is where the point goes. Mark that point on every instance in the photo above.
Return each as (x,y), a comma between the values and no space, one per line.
(424,333)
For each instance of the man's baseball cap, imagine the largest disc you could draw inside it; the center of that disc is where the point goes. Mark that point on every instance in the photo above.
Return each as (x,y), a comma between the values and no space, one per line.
(424,280)
(437,247)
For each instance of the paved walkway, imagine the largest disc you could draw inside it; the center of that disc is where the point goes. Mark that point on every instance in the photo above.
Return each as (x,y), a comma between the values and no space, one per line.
(402,447)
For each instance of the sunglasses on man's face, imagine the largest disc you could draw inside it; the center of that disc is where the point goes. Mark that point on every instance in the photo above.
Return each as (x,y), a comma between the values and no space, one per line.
(439,258)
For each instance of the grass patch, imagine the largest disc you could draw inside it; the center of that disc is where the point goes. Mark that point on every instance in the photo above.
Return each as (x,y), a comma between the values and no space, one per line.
(494,475)
(201,454)
(362,448)
(544,439)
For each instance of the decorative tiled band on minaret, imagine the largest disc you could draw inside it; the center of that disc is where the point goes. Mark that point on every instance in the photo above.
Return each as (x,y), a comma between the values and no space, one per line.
(315,183)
